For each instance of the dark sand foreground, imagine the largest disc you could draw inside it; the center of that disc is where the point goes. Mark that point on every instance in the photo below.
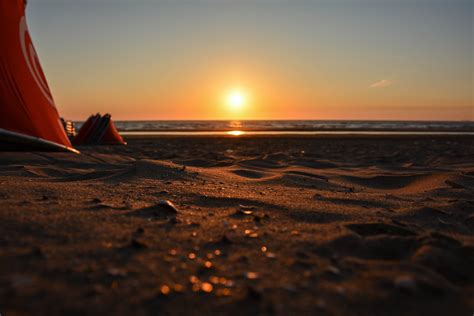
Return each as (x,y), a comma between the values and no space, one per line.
(269,226)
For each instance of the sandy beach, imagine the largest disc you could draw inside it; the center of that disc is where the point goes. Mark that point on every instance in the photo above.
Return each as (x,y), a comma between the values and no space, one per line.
(260,225)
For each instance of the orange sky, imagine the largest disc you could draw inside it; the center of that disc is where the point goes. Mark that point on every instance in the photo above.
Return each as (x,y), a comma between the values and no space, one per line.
(292,60)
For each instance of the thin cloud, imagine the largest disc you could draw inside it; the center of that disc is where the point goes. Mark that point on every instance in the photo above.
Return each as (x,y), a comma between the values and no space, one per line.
(384,83)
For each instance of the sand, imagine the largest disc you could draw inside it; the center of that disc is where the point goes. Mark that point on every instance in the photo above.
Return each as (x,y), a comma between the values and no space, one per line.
(268,226)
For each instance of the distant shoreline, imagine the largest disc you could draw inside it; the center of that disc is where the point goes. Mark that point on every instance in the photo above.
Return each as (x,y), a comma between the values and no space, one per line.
(348,133)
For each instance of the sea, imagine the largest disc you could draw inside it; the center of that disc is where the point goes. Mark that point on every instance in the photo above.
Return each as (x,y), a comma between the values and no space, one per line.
(291,127)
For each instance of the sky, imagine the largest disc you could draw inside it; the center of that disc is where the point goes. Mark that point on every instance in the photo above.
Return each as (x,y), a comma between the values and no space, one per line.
(284,59)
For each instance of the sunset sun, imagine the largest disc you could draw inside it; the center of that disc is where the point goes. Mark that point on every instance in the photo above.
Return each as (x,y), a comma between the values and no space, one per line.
(236,100)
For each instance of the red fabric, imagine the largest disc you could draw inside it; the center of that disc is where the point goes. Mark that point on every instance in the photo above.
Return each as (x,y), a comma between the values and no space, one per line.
(93,131)
(82,136)
(112,136)
(26,103)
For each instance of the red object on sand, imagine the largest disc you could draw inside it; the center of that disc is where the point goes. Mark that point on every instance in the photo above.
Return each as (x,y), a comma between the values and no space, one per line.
(112,136)
(98,130)
(28,116)
(83,134)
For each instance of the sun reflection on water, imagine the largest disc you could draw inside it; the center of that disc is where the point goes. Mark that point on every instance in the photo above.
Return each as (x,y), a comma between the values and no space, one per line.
(236,133)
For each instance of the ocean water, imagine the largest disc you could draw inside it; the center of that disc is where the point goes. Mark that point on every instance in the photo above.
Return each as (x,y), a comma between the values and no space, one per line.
(300,127)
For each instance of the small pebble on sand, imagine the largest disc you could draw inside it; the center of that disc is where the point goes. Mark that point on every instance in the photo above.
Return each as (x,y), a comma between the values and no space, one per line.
(251,275)
(165,290)
(178,288)
(405,282)
(270,255)
(168,206)
(207,287)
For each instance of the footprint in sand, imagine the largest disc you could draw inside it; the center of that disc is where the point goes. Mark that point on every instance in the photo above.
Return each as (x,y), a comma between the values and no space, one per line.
(413,183)
(251,174)
(373,229)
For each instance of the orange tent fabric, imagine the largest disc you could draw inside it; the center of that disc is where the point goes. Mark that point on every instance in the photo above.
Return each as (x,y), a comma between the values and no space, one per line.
(112,136)
(98,130)
(27,108)
(83,134)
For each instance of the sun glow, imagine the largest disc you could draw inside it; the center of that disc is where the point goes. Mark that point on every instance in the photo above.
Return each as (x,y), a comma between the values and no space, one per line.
(236,100)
